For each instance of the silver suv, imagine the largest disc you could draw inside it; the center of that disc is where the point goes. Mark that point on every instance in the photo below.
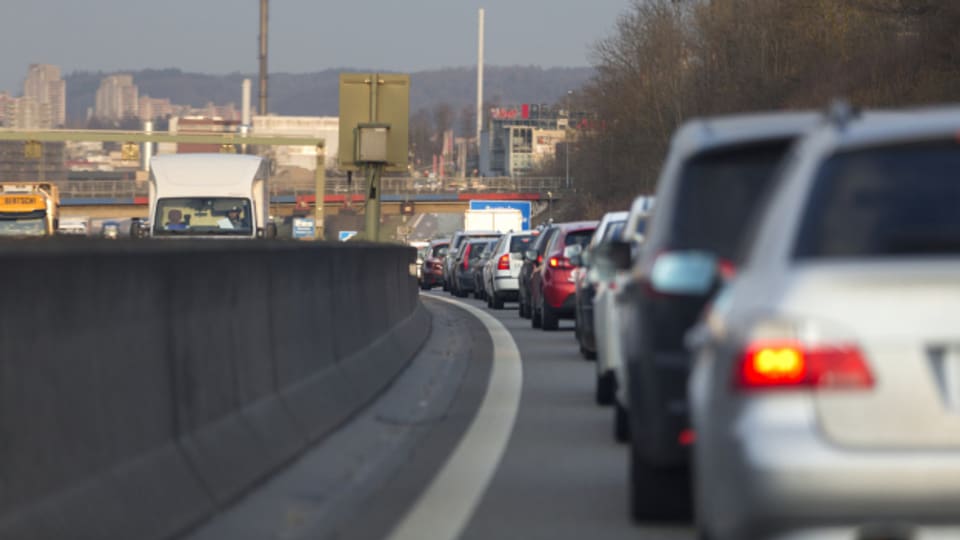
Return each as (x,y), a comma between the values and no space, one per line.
(826,390)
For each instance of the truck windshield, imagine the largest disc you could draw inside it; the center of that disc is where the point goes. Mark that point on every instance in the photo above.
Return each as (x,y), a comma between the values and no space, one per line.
(202,216)
(23,227)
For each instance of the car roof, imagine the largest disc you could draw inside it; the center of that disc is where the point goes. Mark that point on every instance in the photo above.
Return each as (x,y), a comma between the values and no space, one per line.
(701,134)
(576,225)
(878,127)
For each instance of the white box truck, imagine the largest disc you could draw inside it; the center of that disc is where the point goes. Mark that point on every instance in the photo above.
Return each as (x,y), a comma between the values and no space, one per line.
(209,196)
(502,220)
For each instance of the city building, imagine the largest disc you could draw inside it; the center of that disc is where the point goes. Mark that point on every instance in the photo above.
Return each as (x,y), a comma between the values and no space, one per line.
(520,138)
(27,113)
(6,100)
(117,98)
(198,124)
(150,108)
(322,127)
(47,91)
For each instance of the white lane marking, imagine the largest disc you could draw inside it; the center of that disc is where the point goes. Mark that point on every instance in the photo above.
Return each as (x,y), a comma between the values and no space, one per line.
(447,505)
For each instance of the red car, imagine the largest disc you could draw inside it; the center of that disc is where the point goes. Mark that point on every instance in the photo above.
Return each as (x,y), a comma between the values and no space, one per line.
(552,289)
(432,274)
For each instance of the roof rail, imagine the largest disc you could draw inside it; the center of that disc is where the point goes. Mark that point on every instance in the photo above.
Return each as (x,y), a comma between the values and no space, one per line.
(841,112)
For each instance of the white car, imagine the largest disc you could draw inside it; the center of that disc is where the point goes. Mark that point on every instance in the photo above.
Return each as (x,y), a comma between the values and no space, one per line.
(825,391)
(586,279)
(607,316)
(608,306)
(502,269)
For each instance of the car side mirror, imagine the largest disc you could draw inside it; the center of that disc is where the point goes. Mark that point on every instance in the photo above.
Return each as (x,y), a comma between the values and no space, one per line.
(530,255)
(574,254)
(685,272)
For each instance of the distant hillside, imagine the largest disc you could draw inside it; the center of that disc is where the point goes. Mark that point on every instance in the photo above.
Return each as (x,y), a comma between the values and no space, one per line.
(315,94)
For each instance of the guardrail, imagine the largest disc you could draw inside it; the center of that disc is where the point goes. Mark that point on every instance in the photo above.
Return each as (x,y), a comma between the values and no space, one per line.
(129,189)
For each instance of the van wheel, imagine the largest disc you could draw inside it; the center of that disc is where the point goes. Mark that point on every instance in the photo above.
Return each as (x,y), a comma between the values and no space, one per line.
(496,301)
(621,423)
(535,321)
(605,388)
(548,317)
(658,493)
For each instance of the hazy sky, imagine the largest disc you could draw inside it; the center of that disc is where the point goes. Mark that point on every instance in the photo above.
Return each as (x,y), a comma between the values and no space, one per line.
(220,36)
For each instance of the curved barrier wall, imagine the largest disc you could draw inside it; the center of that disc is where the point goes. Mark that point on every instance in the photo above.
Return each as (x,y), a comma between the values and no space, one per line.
(144,385)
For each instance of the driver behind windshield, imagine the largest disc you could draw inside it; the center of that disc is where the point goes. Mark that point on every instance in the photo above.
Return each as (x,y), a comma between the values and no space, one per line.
(175,221)
(233,219)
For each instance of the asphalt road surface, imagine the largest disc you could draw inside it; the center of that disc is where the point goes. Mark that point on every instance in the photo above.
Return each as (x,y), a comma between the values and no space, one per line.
(491,433)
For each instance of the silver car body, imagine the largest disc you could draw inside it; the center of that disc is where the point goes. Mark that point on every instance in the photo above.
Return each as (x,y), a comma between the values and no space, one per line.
(825,462)
(504,282)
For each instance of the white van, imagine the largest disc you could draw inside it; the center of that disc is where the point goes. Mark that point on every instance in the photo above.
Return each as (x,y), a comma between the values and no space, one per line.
(209,196)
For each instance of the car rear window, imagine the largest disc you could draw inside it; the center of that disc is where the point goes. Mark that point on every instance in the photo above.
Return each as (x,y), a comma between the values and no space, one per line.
(614,231)
(641,226)
(439,250)
(581,237)
(718,193)
(519,244)
(887,201)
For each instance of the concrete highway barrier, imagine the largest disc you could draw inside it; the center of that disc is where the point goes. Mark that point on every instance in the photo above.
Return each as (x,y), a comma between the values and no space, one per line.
(145,385)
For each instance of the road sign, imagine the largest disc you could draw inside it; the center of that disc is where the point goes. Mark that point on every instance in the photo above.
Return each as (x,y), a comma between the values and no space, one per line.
(375,106)
(522,206)
(346,235)
(304,228)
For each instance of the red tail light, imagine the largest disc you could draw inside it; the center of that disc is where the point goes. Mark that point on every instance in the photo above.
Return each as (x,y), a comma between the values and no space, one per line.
(687,437)
(790,364)
(466,257)
(504,262)
(539,259)
(561,263)
(726,269)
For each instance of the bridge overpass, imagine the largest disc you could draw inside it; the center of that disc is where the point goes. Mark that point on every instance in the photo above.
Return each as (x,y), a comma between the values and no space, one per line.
(127,198)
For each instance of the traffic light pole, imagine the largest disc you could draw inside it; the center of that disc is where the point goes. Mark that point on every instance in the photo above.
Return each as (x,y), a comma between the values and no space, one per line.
(373,173)
(320,188)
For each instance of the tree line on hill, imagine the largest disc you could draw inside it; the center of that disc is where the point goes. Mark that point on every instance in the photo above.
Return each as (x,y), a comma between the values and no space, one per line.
(670,60)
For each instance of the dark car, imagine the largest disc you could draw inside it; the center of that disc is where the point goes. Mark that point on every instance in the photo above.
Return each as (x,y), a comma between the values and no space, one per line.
(466,264)
(715,178)
(586,283)
(478,289)
(531,261)
(432,274)
(552,291)
(456,244)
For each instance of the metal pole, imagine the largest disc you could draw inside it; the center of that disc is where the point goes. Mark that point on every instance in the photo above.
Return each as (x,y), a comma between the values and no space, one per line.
(372,213)
(479,82)
(320,188)
(147,146)
(263,57)
(373,172)
(566,137)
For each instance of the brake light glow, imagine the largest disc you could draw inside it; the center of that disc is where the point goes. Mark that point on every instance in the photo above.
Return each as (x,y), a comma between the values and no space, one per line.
(561,263)
(784,364)
(687,437)
(726,269)
(504,262)
(466,257)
